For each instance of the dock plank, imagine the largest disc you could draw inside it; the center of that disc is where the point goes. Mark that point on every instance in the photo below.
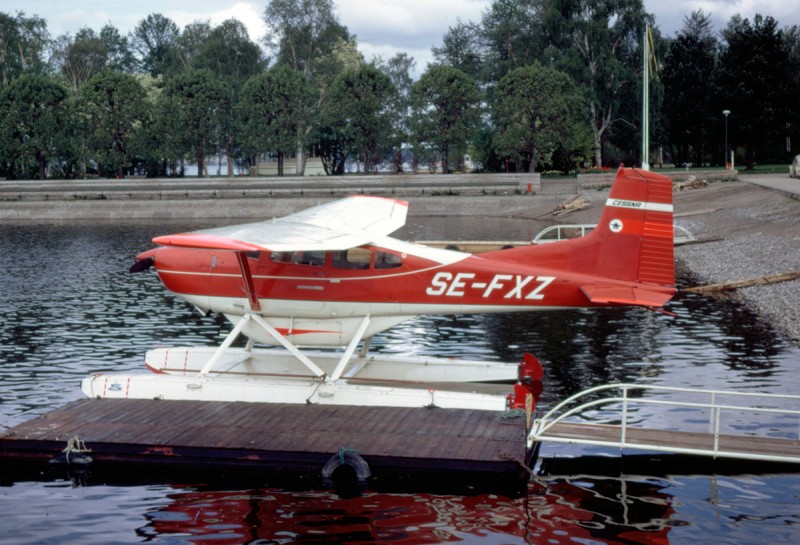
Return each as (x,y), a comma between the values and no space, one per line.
(238,433)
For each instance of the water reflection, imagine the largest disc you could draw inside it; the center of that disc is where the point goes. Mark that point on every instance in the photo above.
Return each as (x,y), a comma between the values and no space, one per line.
(605,510)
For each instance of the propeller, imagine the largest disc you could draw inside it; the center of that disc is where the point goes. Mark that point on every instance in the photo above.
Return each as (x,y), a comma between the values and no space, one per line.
(142,265)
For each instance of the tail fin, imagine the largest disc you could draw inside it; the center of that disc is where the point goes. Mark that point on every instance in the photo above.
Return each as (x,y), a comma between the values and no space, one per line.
(633,241)
(629,257)
(635,231)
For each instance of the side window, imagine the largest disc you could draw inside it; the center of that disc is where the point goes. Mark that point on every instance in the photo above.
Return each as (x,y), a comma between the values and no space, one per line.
(385,260)
(316,259)
(353,259)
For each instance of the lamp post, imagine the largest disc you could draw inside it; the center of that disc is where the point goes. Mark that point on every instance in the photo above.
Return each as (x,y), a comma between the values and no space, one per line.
(726,113)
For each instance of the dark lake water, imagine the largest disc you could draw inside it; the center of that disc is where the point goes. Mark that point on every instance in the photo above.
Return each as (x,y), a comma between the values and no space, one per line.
(70,309)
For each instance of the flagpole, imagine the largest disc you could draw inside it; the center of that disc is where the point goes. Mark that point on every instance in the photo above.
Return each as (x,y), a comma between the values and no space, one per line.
(646,100)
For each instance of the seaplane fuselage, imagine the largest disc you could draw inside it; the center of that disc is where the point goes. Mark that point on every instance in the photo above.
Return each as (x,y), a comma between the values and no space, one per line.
(321,290)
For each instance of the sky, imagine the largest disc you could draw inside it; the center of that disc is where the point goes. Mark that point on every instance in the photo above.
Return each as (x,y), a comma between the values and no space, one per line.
(382,27)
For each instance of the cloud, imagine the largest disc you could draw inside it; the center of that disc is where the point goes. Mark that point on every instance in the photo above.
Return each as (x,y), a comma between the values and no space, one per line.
(387,27)
(249,13)
(670,15)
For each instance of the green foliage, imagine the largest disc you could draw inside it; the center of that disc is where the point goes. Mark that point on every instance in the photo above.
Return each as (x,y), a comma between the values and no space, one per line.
(691,59)
(513,34)
(357,115)
(188,117)
(275,106)
(228,52)
(191,101)
(112,109)
(301,32)
(462,48)
(534,109)
(80,58)
(155,41)
(758,82)
(445,111)
(33,124)
(23,41)
(398,69)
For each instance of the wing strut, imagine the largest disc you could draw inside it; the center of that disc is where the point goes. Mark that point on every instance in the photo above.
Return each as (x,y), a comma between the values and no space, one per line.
(337,373)
(313,367)
(249,286)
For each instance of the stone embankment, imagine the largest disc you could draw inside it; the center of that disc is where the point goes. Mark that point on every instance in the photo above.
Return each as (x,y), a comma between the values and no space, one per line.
(747,230)
(239,198)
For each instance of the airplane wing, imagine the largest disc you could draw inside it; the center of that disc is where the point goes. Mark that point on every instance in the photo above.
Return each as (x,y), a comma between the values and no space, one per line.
(627,295)
(336,225)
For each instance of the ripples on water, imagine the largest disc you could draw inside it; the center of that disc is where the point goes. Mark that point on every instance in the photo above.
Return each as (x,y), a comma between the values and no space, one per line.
(71,309)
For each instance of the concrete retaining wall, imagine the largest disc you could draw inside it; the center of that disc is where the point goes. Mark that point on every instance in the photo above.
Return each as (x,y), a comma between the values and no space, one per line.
(137,198)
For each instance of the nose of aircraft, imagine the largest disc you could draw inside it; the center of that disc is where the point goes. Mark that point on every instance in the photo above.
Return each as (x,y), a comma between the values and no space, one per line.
(144,261)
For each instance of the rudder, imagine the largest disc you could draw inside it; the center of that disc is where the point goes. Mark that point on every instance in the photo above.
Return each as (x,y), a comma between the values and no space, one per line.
(634,236)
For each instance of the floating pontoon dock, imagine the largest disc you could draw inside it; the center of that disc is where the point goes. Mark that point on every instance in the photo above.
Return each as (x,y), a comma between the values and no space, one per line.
(280,437)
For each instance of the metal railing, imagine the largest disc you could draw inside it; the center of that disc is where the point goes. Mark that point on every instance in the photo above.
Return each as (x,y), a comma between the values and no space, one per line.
(719,405)
(556,233)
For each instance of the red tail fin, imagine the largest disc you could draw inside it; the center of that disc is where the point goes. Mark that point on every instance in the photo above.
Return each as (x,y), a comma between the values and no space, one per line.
(629,257)
(635,233)
(633,241)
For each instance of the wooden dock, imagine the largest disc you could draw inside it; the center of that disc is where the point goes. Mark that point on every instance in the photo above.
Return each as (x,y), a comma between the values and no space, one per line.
(447,443)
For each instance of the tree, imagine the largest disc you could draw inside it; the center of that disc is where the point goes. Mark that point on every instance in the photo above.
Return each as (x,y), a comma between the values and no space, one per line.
(119,56)
(692,57)
(792,36)
(232,57)
(229,53)
(305,35)
(758,84)
(113,108)
(533,112)
(155,41)
(462,48)
(603,58)
(33,122)
(23,41)
(191,42)
(302,31)
(513,36)
(358,110)
(274,105)
(189,115)
(80,58)
(398,69)
(445,106)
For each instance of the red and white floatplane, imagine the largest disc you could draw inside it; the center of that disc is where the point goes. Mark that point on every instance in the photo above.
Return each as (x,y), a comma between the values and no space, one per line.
(318,284)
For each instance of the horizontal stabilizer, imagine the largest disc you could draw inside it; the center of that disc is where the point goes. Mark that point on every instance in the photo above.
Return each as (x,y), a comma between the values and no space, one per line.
(609,294)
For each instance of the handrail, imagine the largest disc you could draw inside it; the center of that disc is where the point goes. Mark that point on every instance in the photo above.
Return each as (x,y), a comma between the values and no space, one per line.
(584,228)
(563,410)
(681,234)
